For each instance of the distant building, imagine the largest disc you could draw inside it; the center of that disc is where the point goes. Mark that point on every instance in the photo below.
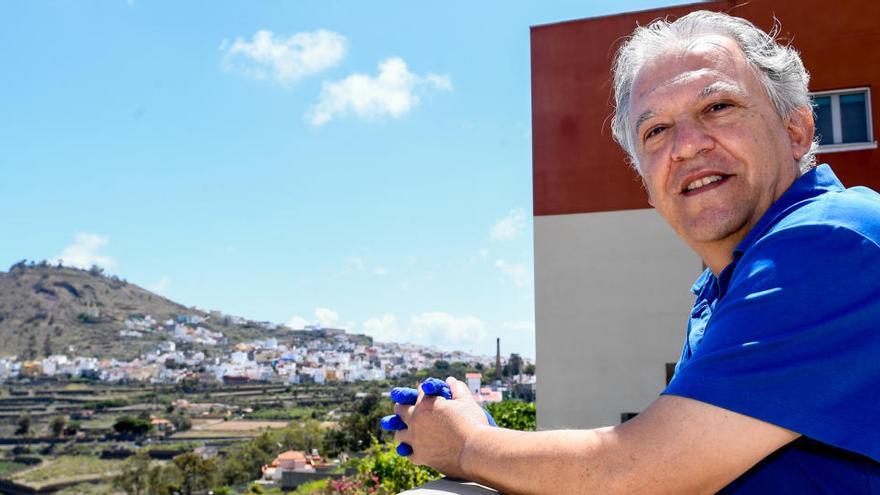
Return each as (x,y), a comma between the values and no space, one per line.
(480,393)
(292,460)
(473,382)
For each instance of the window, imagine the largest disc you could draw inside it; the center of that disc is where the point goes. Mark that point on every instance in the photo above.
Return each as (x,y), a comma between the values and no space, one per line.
(843,120)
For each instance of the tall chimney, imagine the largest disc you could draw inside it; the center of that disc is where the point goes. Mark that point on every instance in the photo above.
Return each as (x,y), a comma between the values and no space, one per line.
(497,360)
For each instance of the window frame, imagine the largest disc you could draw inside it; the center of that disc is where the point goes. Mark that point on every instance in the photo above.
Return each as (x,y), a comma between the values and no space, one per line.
(836,122)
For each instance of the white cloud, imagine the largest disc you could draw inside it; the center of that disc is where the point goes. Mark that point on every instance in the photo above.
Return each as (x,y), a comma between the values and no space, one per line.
(393,93)
(284,60)
(160,286)
(519,326)
(83,253)
(297,322)
(326,317)
(509,227)
(445,329)
(481,255)
(404,286)
(516,272)
(380,271)
(412,260)
(385,329)
(431,328)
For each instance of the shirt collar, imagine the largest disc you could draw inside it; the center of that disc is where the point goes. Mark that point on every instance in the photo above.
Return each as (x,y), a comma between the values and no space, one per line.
(704,277)
(812,183)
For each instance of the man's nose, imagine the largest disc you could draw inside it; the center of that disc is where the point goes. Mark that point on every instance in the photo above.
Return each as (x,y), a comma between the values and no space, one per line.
(690,139)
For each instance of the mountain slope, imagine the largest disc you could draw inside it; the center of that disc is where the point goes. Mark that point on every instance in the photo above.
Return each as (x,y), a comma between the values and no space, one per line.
(47,309)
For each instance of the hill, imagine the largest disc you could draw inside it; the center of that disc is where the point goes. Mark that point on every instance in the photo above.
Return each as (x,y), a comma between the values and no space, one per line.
(47,309)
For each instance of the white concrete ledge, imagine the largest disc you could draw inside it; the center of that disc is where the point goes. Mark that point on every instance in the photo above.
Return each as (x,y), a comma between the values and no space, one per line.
(448,486)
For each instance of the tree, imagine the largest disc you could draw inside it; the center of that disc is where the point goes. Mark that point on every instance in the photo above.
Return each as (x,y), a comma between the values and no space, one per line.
(47,346)
(392,472)
(23,424)
(363,424)
(134,475)
(243,462)
(72,428)
(164,480)
(197,474)
(18,266)
(180,420)
(514,365)
(513,414)
(131,426)
(57,425)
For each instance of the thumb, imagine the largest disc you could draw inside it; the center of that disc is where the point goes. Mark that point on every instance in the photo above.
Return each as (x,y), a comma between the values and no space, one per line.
(459,389)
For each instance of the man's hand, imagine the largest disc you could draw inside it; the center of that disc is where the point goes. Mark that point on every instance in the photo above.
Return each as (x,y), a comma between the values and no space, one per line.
(437,428)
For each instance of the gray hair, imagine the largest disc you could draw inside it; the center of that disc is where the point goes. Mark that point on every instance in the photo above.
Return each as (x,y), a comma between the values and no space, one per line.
(779,68)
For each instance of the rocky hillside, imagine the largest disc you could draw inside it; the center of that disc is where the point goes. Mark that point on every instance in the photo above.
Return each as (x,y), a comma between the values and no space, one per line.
(46,309)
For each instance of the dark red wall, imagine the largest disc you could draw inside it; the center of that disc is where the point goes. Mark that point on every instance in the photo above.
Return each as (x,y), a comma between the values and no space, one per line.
(577,167)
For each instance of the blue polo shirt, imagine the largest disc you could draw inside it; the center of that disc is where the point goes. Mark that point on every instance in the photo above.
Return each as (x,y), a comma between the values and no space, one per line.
(789,333)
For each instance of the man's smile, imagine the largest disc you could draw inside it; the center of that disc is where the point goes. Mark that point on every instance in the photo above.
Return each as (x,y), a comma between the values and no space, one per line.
(703,183)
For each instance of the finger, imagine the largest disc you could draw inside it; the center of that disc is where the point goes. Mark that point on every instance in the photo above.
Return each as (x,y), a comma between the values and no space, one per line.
(404,395)
(458,388)
(404,449)
(436,387)
(392,423)
(404,411)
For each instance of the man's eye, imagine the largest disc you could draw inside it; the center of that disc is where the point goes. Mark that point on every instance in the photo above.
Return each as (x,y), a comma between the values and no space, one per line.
(654,131)
(717,107)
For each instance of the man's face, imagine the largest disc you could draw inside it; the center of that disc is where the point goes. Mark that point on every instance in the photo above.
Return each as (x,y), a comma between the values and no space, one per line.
(713,153)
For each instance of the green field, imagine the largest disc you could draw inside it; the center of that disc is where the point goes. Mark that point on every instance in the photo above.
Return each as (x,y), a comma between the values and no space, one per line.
(66,468)
(9,467)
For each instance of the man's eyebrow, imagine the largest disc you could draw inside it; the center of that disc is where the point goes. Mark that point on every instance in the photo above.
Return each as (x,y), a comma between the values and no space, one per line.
(717,87)
(643,117)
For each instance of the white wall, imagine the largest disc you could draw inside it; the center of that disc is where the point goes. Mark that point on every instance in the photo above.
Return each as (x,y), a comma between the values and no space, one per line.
(612,295)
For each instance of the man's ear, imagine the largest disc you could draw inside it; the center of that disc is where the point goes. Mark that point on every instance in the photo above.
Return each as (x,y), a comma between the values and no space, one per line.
(801,128)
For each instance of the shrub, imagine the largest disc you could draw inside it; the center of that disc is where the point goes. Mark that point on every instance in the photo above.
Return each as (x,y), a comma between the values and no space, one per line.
(513,414)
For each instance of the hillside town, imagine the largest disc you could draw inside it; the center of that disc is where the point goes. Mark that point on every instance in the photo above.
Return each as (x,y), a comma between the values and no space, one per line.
(189,351)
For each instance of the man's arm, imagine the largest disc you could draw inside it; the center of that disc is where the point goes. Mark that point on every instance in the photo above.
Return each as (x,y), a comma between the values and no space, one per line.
(677,445)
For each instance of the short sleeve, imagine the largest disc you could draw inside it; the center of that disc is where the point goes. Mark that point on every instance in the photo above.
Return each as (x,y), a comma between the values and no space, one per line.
(795,341)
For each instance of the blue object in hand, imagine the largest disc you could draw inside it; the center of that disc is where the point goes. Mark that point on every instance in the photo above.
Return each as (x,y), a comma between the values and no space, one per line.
(404,449)
(392,422)
(408,396)
(403,395)
(437,387)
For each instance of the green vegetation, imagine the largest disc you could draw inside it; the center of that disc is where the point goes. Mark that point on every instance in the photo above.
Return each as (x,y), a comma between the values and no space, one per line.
(243,461)
(391,471)
(57,425)
(132,426)
(7,468)
(66,467)
(23,424)
(357,430)
(290,414)
(108,403)
(513,414)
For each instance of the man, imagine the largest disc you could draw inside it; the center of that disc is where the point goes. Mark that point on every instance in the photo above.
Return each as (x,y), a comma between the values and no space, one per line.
(778,386)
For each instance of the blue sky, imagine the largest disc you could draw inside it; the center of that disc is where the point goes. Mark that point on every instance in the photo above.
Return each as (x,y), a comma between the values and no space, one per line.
(362,164)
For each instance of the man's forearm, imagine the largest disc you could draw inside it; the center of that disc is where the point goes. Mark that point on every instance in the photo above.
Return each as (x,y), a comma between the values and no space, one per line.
(562,461)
